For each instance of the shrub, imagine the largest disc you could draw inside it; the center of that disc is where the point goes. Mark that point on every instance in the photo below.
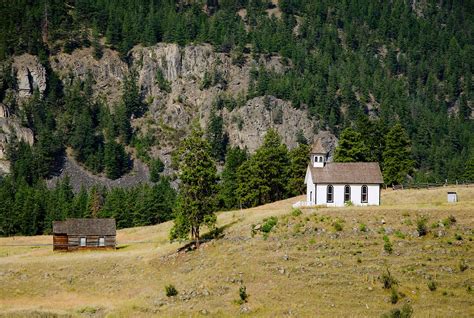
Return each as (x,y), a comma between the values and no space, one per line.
(156,167)
(362,227)
(463,265)
(388,280)
(432,285)
(243,294)
(296,212)
(458,237)
(171,291)
(405,312)
(206,81)
(269,223)
(399,234)
(387,245)
(394,296)
(163,84)
(337,225)
(421,226)
(452,219)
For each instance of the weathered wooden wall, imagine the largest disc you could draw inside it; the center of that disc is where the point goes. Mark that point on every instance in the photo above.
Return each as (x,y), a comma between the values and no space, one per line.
(60,242)
(72,243)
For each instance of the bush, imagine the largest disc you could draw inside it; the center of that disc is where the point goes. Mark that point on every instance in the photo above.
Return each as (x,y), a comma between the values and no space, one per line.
(163,84)
(269,224)
(450,220)
(421,226)
(337,225)
(399,234)
(171,291)
(387,245)
(405,312)
(296,212)
(243,294)
(394,297)
(432,285)
(362,227)
(458,237)
(388,280)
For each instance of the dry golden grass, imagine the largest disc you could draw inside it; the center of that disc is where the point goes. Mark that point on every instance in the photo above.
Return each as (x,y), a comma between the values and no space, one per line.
(304,268)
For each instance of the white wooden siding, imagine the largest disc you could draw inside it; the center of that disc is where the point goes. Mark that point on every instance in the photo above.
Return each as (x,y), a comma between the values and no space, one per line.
(356,191)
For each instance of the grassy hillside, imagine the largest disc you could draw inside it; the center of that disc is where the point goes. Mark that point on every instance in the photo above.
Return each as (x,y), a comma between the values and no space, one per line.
(305,267)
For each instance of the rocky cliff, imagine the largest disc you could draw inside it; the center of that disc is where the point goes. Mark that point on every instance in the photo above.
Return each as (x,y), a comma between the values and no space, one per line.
(30,75)
(10,127)
(179,85)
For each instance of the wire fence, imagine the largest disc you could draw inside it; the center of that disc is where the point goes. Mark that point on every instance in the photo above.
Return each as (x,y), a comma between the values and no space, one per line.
(431,185)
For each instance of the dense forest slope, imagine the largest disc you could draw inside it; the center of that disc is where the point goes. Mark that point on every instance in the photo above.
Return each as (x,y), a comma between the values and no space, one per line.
(105,83)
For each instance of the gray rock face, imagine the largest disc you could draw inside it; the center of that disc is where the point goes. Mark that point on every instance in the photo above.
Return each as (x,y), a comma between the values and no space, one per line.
(10,127)
(4,111)
(171,113)
(185,69)
(329,142)
(108,72)
(30,75)
(248,125)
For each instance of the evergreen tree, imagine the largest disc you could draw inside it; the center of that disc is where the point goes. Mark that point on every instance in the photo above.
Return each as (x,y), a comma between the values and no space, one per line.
(156,168)
(234,158)
(469,170)
(196,200)
(297,171)
(116,161)
(264,177)
(351,147)
(217,137)
(131,95)
(397,161)
(96,45)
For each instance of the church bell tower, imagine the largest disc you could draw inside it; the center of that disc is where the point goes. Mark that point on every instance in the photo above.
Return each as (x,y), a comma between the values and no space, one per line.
(318,155)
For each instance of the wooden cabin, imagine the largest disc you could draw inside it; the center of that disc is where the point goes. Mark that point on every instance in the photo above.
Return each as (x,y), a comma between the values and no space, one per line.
(82,234)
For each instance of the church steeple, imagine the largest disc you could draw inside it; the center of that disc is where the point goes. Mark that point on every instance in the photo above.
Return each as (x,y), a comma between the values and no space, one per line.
(318,155)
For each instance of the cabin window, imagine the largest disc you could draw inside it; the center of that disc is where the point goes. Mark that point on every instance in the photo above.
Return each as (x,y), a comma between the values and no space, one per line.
(347,193)
(365,194)
(83,241)
(101,241)
(330,194)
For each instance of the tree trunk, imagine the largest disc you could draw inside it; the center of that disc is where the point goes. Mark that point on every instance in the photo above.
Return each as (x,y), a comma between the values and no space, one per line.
(197,237)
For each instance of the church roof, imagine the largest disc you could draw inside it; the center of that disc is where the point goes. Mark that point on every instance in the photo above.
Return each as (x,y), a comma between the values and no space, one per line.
(348,172)
(318,147)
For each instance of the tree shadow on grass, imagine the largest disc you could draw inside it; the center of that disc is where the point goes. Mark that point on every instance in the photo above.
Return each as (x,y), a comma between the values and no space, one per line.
(215,234)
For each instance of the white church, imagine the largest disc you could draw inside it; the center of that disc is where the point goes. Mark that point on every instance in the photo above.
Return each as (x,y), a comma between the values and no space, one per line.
(336,184)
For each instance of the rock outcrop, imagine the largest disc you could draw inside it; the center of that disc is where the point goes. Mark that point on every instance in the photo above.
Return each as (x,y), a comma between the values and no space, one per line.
(247,125)
(4,111)
(30,75)
(108,72)
(180,85)
(10,127)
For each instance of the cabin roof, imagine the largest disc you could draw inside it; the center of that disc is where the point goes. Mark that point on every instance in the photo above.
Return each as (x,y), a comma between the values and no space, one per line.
(348,172)
(85,227)
(318,147)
